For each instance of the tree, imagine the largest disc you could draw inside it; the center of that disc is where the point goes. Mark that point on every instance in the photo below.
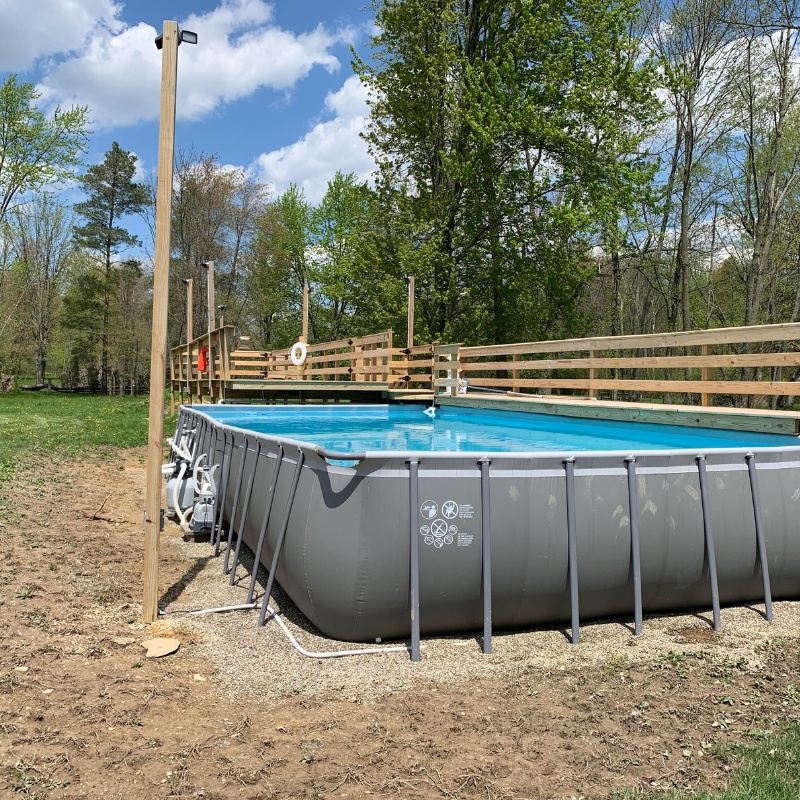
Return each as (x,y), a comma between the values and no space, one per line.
(214,215)
(40,233)
(36,151)
(348,277)
(504,132)
(112,194)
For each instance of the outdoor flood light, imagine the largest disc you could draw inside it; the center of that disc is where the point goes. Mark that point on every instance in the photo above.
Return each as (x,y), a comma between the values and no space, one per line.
(190,37)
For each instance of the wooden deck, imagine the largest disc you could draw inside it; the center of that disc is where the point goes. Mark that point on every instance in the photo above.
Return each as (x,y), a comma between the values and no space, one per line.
(751,361)
(738,419)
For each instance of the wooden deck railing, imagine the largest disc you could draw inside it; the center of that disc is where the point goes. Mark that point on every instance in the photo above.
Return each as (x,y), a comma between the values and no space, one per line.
(717,361)
(363,359)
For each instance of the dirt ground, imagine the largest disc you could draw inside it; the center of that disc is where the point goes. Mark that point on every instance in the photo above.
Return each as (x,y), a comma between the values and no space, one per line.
(83,713)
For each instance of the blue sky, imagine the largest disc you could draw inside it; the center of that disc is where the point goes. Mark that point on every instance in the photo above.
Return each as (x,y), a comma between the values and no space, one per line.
(269,86)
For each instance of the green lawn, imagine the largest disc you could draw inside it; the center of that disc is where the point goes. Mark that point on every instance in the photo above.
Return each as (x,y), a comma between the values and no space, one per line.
(68,424)
(767,771)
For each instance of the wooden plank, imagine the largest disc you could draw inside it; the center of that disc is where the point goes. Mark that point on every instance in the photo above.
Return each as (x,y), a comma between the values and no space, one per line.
(648,362)
(712,387)
(693,416)
(785,332)
(333,386)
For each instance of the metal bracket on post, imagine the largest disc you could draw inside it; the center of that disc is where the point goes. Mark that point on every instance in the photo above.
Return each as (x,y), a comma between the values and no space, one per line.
(572,550)
(413,498)
(709,539)
(245,509)
(636,567)
(762,545)
(235,505)
(486,551)
(262,536)
(281,537)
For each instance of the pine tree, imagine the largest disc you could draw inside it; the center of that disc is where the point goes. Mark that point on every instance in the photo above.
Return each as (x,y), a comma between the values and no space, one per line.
(112,194)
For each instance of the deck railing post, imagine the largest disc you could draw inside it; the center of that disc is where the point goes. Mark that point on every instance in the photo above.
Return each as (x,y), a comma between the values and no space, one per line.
(762,545)
(636,567)
(235,505)
(572,548)
(709,539)
(262,535)
(486,549)
(281,537)
(227,455)
(245,508)
(413,498)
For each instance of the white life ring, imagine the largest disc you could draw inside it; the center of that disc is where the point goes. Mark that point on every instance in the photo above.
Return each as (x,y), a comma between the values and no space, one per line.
(298,354)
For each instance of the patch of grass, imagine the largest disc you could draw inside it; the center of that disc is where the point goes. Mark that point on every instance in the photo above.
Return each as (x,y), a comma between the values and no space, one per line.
(68,424)
(767,771)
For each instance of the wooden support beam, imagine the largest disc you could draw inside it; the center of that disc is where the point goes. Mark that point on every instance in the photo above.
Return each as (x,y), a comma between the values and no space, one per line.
(707,374)
(155,436)
(304,335)
(410,337)
(594,375)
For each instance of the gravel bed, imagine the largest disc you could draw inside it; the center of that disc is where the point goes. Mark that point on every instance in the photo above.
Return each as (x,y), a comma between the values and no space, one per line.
(251,661)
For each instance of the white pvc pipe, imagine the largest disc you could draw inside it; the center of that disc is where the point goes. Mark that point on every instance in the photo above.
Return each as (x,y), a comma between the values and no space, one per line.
(175,503)
(195,471)
(334,653)
(297,646)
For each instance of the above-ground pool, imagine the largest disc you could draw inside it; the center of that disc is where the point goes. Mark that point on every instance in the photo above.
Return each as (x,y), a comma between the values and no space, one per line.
(426,512)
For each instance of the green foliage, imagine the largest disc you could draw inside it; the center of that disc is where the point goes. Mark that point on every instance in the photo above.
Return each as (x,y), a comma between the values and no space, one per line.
(769,771)
(112,194)
(36,151)
(505,135)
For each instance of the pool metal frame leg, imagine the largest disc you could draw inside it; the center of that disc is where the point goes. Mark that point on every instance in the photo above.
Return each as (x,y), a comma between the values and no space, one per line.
(709,539)
(762,545)
(215,502)
(572,548)
(263,532)
(301,456)
(413,500)
(245,508)
(486,551)
(236,493)
(227,455)
(636,566)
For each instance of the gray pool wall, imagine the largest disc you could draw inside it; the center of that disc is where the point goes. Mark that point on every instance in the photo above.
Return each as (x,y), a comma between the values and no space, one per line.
(345,561)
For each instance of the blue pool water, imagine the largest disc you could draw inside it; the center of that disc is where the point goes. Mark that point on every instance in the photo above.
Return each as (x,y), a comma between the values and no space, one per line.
(354,428)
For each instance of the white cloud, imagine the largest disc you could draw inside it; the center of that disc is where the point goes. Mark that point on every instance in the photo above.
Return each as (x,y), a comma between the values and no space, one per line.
(329,146)
(34,29)
(118,71)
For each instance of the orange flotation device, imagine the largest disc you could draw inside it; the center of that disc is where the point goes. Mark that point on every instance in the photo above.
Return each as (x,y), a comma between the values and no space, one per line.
(202,359)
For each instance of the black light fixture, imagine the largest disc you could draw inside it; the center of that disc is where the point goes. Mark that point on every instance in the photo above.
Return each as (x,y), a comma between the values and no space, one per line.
(190,37)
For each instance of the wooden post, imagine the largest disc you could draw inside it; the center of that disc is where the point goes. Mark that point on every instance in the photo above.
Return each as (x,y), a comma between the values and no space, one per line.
(155,435)
(707,374)
(594,374)
(189,335)
(515,372)
(304,335)
(221,310)
(410,339)
(211,326)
